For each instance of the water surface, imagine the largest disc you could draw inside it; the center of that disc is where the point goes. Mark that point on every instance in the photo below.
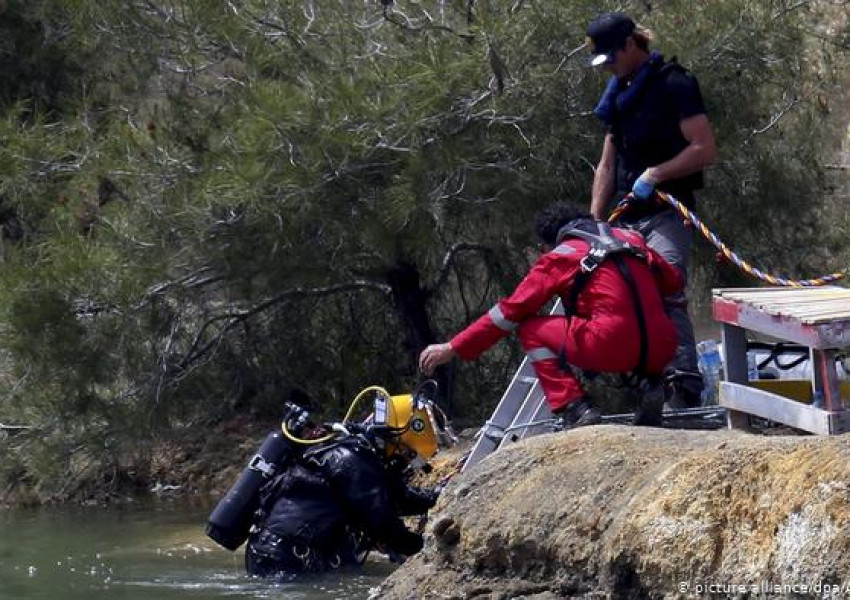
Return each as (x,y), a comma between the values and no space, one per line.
(154,550)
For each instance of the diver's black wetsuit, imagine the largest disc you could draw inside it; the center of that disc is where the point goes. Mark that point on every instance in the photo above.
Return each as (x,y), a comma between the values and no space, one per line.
(327,509)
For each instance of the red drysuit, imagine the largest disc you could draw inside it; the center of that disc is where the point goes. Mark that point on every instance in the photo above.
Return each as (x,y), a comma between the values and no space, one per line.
(602,336)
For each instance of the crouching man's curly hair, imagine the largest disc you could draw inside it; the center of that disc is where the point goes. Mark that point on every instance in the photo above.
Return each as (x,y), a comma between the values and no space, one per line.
(551,219)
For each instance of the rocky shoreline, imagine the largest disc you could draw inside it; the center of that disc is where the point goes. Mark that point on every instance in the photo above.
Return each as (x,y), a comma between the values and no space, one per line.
(626,512)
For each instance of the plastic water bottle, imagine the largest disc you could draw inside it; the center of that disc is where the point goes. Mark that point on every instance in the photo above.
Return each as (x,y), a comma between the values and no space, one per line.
(709,364)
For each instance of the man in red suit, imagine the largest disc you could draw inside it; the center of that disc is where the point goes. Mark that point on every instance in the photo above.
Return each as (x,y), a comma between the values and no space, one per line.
(611,284)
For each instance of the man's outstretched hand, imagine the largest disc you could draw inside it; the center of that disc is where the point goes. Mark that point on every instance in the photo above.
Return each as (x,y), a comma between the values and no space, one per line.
(435,355)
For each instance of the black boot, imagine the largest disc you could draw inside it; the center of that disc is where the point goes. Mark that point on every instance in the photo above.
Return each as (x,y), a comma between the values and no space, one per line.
(682,389)
(576,414)
(651,402)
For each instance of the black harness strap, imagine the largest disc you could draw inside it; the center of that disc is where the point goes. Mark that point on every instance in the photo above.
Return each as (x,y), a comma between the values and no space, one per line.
(640,370)
(604,245)
(571,301)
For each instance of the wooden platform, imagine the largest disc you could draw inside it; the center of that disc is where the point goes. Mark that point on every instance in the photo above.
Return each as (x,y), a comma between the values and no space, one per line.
(818,318)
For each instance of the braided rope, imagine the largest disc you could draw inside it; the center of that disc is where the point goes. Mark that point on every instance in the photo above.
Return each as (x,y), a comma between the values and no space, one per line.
(715,241)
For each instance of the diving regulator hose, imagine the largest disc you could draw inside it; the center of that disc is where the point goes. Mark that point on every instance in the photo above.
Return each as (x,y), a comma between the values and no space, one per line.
(336,428)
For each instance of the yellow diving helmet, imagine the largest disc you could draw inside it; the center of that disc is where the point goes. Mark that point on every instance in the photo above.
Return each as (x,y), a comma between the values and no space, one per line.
(413,416)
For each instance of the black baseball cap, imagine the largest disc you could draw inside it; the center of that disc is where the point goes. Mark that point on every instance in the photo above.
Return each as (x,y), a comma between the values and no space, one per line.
(606,34)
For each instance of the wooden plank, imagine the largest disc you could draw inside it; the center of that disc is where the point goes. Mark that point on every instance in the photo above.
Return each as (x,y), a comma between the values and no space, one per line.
(824,320)
(784,328)
(836,307)
(744,399)
(831,305)
(781,290)
(792,302)
(726,291)
(818,318)
(734,352)
(724,311)
(842,308)
(814,317)
(786,301)
(784,295)
(828,316)
(839,314)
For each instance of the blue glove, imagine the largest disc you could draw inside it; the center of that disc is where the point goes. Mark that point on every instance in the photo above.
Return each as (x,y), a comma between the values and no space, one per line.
(642,189)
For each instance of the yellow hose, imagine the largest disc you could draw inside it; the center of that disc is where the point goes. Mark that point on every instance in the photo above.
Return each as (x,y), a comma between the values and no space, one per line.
(291,437)
(358,397)
(374,388)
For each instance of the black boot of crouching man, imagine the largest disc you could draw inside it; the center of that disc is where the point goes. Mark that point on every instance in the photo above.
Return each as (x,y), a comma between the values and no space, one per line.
(576,414)
(682,389)
(650,402)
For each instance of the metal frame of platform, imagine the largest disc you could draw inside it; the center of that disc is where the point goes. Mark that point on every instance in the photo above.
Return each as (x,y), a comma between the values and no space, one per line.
(818,318)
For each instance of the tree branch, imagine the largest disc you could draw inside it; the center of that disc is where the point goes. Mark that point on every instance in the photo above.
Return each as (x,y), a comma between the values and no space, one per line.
(449,259)
(233,318)
(777,117)
(193,280)
(395,17)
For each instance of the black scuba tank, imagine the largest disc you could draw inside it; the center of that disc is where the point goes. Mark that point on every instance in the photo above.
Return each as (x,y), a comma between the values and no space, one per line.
(230,522)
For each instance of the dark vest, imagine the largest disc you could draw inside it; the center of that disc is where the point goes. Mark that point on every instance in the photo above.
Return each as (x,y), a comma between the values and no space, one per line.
(648,134)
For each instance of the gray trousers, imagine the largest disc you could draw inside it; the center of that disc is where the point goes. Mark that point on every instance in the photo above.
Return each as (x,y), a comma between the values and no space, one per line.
(667,234)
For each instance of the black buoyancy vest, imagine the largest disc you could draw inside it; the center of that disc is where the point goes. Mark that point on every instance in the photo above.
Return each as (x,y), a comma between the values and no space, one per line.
(304,482)
(603,245)
(649,134)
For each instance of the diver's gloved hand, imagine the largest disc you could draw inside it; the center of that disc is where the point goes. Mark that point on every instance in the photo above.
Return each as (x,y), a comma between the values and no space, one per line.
(392,555)
(417,501)
(643,188)
(403,544)
(429,496)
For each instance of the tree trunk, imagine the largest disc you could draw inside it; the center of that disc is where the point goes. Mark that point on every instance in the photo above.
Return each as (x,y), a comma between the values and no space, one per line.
(411,299)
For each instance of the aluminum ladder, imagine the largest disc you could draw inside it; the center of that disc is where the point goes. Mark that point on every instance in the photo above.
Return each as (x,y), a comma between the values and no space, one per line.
(522,411)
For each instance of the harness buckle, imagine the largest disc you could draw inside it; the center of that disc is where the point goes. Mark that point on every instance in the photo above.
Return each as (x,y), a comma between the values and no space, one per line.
(302,556)
(588,263)
(260,464)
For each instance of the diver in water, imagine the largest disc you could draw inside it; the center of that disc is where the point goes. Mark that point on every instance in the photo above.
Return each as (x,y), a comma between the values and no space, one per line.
(334,492)
(339,500)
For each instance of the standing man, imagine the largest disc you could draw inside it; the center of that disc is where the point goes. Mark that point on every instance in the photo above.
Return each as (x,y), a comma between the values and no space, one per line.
(659,138)
(611,285)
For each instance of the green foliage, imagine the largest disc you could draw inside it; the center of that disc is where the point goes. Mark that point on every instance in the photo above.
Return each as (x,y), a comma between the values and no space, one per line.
(206,207)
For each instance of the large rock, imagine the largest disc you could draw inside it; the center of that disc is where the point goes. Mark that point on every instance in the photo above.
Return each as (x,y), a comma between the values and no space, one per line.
(617,511)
